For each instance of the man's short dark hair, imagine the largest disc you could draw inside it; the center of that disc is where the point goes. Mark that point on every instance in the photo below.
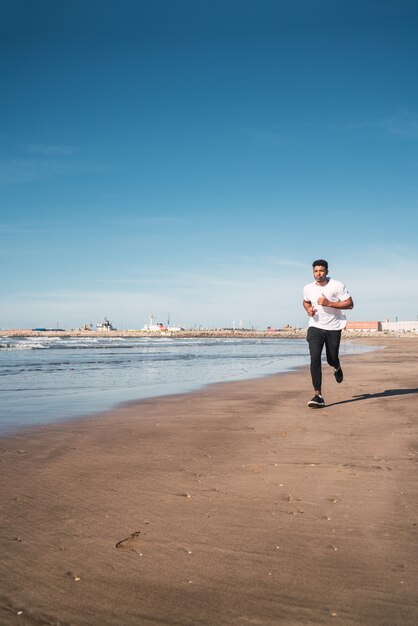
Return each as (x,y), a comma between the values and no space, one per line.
(321,263)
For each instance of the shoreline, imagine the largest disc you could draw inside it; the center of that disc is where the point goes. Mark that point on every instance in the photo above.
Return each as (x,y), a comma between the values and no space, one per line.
(7,430)
(296,333)
(234,504)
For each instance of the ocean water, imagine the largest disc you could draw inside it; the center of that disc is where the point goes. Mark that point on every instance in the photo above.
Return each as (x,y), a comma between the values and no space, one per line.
(48,379)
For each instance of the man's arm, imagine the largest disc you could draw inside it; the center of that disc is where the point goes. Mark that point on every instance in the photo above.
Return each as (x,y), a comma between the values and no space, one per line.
(344,304)
(307,305)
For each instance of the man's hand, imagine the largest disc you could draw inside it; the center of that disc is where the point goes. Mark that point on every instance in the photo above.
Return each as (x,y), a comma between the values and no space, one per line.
(344,304)
(309,308)
(323,301)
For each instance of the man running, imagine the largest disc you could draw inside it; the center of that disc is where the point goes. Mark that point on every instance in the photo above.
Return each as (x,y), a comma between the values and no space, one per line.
(324,301)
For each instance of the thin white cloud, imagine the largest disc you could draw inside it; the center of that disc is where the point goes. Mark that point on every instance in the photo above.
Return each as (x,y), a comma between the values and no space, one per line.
(30,228)
(45,161)
(51,150)
(403,124)
(139,222)
(17,171)
(393,256)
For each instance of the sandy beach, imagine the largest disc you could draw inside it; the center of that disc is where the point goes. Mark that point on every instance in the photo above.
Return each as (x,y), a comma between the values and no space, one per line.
(233,505)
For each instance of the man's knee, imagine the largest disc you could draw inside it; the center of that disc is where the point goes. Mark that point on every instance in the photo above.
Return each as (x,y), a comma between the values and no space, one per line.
(333,362)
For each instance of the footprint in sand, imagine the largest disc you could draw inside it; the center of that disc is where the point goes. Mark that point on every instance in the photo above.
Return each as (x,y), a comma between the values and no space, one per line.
(130,543)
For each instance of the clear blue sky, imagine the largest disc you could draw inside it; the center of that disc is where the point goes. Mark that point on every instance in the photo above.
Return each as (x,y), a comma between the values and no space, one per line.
(193,158)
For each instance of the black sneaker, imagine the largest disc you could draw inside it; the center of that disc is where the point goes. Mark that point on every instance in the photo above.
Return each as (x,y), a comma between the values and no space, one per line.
(316,403)
(338,375)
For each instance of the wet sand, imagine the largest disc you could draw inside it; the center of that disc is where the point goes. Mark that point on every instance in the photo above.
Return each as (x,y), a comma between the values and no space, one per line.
(233,505)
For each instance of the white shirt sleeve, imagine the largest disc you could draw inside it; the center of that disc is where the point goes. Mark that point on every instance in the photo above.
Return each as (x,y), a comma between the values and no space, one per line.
(343,293)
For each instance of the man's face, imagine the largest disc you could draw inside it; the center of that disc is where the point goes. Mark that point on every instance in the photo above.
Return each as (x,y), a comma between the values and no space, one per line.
(320,273)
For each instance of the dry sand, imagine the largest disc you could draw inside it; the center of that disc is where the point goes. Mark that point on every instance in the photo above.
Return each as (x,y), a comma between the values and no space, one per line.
(233,505)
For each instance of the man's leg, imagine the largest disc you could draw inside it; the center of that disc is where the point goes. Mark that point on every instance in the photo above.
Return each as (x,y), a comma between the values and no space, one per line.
(332,346)
(316,340)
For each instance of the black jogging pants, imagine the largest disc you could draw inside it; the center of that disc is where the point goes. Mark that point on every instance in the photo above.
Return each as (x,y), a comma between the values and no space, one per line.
(316,339)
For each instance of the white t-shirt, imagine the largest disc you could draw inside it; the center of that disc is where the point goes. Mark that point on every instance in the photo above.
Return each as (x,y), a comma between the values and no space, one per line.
(326,317)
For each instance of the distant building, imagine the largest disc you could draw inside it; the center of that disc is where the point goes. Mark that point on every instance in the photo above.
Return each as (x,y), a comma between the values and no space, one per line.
(403,327)
(85,327)
(106,325)
(154,327)
(364,326)
(394,327)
